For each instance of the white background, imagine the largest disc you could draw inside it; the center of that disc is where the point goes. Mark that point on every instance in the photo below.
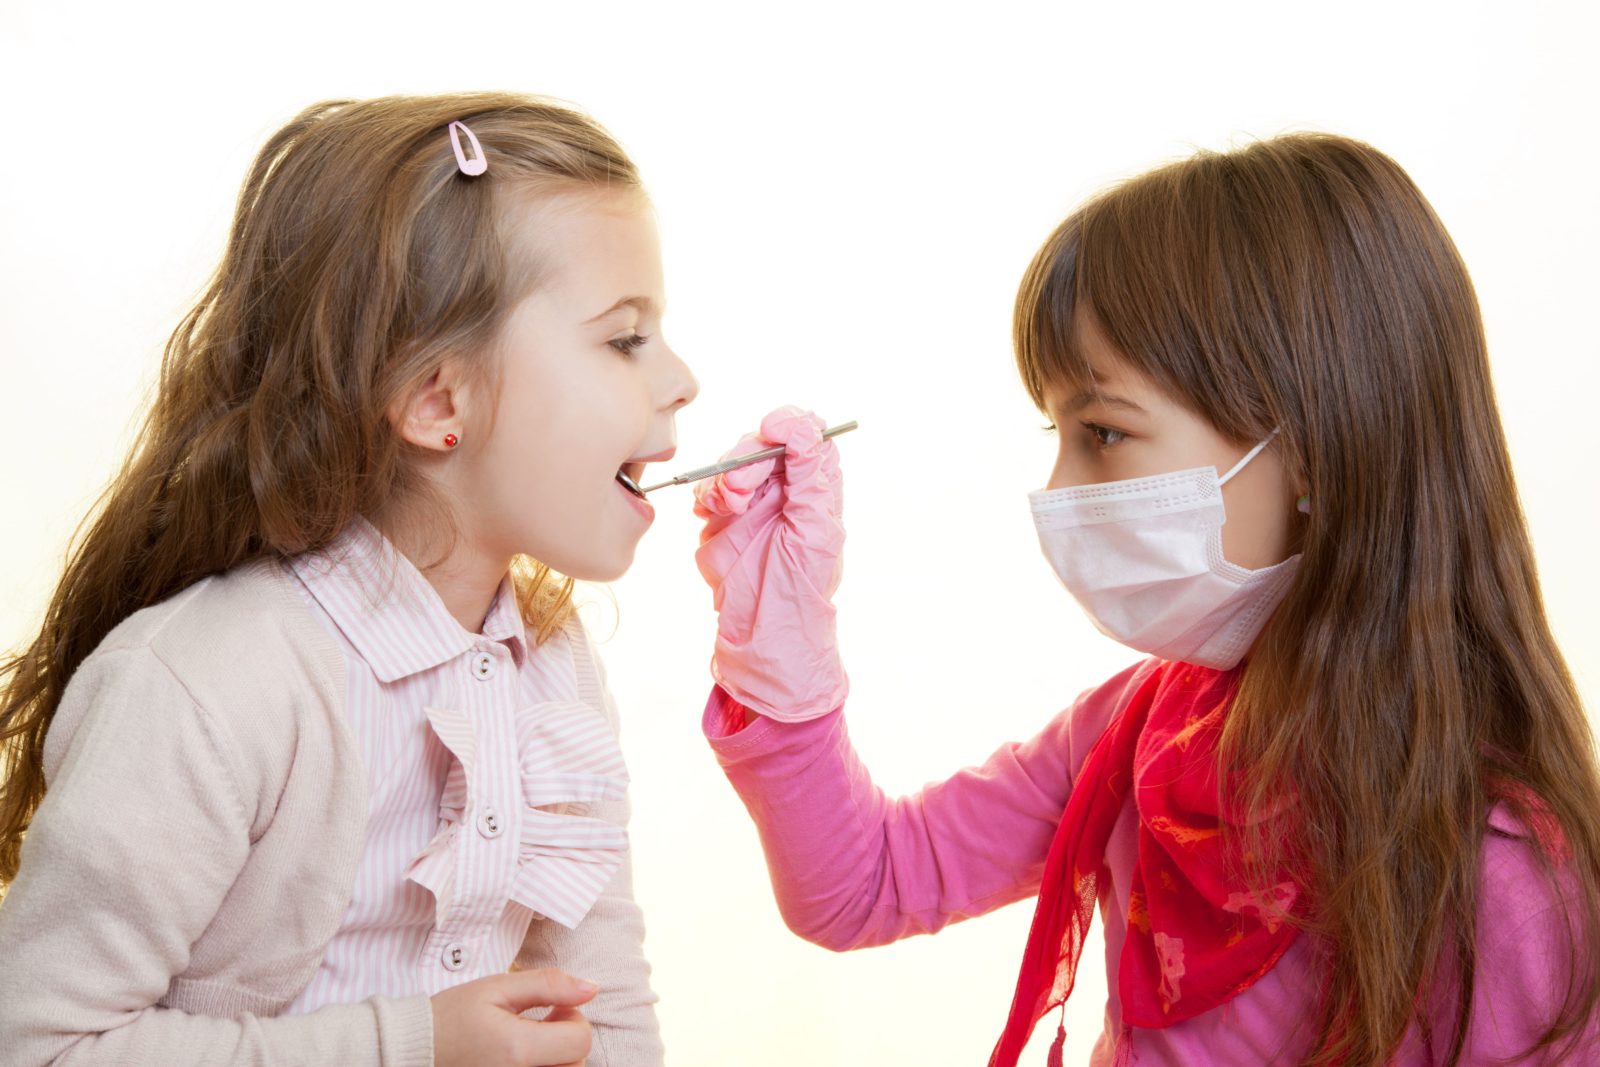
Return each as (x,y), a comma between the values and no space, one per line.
(848,194)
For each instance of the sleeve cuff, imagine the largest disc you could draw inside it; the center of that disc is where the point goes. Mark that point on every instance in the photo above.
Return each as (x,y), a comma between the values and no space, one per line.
(733,741)
(405,1031)
(725,715)
(724,725)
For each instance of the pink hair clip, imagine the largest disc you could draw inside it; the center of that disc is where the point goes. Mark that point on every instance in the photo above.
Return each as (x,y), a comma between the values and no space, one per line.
(474,166)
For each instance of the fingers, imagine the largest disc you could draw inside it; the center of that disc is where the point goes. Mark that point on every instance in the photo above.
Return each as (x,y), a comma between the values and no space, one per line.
(724,539)
(478,1023)
(562,1040)
(790,426)
(800,433)
(811,468)
(833,476)
(521,990)
(730,492)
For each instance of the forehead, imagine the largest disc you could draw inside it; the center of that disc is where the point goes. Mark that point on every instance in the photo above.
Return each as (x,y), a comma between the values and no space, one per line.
(1088,365)
(584,244)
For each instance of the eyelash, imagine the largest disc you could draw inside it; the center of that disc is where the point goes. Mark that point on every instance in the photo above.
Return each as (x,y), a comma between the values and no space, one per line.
(626,345)
(1095,429)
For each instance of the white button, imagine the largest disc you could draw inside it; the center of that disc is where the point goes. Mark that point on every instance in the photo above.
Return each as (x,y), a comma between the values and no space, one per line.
(483,666)
(455,956)
(489,824)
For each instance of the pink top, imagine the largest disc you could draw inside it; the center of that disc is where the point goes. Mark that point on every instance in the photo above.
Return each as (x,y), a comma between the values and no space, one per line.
(477,750)
(852,868)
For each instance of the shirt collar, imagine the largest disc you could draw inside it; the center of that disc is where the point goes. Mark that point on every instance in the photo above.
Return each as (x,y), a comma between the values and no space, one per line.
(390,613)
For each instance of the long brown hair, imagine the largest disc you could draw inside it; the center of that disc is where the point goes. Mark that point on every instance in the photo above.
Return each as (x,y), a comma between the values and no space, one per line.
(1409,677)
(359,258)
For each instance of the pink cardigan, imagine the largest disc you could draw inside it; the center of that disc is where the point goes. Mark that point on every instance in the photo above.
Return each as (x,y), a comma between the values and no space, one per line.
(198,844)
(853,868)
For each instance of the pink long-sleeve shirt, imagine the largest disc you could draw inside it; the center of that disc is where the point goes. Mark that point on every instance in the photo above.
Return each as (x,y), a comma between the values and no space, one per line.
(852,867)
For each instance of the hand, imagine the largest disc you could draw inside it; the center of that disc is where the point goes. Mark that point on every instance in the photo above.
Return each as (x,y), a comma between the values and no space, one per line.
(771,551)
(478,1023)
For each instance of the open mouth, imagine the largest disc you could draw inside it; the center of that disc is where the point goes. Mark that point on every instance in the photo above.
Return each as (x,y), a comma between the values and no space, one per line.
(628,475)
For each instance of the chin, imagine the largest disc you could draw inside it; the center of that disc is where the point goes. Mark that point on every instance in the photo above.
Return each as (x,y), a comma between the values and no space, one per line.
(597,569)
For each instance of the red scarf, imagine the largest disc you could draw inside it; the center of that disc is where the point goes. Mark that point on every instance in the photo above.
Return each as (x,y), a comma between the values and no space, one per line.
(1194,940)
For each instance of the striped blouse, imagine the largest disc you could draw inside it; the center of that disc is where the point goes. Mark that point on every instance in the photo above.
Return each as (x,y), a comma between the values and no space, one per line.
(481,763)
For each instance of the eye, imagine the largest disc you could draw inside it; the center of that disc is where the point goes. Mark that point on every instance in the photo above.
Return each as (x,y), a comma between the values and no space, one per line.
(626,345)
(1049,427)
(1104,436)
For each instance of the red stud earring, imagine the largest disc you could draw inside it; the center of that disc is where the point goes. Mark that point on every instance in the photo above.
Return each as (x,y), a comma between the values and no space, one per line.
(450,440)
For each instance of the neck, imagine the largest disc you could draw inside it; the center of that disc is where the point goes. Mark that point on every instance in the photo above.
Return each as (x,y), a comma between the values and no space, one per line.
(464,575)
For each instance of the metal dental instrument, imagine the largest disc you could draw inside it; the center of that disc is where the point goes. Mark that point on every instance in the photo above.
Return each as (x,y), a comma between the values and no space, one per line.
(740,461)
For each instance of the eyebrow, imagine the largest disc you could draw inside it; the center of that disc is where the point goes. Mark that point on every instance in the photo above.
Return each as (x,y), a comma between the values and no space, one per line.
(642,303)
(1110,400)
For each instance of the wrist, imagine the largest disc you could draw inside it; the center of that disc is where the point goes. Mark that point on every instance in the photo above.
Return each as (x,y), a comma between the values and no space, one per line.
(783,697)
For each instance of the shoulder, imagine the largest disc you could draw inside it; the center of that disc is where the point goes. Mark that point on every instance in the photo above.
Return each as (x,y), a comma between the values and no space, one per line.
(575,636)
(1514,879)
(242,630)
(1089,715)
(1068,737)
(589,669)
(1529,911)
(237,654)
(1529,945)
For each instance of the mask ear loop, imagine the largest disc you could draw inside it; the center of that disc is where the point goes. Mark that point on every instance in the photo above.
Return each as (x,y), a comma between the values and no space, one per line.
(1248,456)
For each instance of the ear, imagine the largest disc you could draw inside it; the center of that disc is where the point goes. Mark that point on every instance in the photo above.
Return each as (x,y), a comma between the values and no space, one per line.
(1302,496)
(436,407)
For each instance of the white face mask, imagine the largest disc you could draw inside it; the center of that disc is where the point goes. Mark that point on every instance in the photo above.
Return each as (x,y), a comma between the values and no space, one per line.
(1144,558)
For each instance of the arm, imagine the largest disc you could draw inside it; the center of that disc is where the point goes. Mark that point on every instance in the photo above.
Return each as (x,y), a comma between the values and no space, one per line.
(607,948)
(142,832)
(1527,949)
(849,866)
(852,867)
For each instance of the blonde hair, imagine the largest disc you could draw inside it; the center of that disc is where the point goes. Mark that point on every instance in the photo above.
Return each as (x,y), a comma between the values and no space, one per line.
(359,258)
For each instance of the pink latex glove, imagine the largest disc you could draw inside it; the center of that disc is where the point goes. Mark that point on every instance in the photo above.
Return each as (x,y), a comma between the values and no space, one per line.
(771,552)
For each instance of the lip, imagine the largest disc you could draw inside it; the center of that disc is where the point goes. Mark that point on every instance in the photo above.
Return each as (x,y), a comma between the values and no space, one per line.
(641,505)
(634,468)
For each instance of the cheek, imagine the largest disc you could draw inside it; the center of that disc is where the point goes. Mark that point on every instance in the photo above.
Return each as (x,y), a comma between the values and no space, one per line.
(552,475)
(1257,531)
(539,445)
(571,409)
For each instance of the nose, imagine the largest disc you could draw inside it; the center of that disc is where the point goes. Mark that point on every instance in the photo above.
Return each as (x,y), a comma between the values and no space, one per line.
(1060,477)
(1068,470)
(678,383)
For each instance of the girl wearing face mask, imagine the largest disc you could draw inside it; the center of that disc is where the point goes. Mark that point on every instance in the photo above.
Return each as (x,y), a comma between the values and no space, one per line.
(313,751)
(1344,812)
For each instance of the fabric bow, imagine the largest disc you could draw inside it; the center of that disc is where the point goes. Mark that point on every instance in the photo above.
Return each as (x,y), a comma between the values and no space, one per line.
(567,756)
